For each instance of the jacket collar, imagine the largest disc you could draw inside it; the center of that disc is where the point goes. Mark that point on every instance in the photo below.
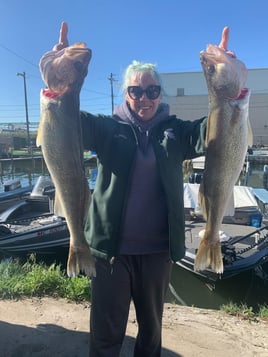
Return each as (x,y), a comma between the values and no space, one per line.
(124,113)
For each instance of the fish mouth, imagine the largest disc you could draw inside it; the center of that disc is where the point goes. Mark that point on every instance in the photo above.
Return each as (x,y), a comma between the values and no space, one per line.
(214,55)
(66,69)
(225,74)
(78,50)
(208,59)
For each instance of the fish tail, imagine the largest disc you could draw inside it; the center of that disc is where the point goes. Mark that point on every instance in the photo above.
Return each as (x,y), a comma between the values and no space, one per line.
(80,259)
(209,255)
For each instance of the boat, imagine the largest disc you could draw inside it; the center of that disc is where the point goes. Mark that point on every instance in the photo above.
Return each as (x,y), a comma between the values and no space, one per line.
(258,157)
(244,235)
(30,226)
(44,235)
(38,201)
(12,193)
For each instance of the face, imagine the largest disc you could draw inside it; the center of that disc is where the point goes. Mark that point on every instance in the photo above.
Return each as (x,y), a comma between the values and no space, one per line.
(143,107)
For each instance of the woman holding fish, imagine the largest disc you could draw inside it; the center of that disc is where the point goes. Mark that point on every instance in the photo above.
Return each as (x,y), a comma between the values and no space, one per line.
(135,221)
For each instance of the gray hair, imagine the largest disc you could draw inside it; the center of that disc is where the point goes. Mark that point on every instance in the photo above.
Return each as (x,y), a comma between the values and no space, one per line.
(137,67)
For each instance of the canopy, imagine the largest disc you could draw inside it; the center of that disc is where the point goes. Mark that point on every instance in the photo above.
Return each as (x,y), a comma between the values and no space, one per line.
(243,197)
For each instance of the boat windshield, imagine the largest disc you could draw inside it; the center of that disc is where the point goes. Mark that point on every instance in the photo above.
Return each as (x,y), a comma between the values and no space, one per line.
(42,183)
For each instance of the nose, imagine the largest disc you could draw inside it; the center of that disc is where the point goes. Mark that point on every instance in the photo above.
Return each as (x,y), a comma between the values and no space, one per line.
(144,96)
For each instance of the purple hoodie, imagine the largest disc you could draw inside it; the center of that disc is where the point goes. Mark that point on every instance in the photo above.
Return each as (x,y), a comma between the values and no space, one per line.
(145,225)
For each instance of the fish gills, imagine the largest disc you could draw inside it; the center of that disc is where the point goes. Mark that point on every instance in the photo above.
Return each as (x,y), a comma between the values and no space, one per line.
(227,140)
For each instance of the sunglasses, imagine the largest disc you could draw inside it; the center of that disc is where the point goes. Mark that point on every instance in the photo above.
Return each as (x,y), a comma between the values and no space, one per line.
(136,92)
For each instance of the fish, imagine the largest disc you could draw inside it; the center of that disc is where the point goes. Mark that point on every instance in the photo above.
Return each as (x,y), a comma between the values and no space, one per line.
(60,138)
(228,136)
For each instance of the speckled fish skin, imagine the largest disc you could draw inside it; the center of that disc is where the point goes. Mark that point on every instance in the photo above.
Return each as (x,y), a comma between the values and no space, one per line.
(227,141)
(59,135)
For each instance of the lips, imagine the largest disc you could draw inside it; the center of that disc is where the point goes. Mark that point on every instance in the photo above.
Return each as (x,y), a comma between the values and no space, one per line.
(145,107)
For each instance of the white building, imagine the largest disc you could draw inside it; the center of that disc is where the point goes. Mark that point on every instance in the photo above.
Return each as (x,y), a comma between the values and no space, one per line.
(186,93)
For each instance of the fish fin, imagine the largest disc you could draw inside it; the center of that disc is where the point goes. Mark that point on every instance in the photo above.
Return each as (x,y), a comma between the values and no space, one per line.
(208,130)
(87,201)
(80,260)
(230,206)
(202,200)
(39,134)
(250,134)
(58,209)
(209,256)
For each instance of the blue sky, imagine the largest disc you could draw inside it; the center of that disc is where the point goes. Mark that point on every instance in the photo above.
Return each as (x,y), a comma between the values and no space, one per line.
(170,33)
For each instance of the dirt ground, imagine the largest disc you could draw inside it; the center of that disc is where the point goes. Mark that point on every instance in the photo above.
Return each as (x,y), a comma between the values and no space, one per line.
(55,327)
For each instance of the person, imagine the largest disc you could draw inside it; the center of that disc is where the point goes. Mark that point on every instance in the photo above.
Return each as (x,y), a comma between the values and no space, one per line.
(135,225)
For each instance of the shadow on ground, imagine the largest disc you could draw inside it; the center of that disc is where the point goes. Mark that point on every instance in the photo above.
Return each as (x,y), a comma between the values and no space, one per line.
(48,340)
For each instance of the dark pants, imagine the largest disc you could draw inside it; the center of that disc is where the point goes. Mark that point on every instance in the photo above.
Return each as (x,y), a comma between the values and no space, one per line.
(142,278)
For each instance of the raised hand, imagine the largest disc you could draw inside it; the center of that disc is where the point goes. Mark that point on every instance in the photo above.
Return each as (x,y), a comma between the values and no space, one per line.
(64,68)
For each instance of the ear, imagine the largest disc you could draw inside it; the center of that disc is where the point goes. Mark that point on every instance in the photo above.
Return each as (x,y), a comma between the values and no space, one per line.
(127,98)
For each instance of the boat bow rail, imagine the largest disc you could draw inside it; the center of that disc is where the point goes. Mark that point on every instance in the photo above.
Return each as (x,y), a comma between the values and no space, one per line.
(44,234)
(244,248)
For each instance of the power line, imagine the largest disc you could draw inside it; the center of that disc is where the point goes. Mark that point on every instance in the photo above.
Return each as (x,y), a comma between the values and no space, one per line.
(93,91)
(19,56)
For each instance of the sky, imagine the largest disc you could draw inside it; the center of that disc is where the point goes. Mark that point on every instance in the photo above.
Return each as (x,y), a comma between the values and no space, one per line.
(168,33)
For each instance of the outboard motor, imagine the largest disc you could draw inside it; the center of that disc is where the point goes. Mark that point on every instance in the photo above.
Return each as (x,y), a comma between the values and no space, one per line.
(195,178)
(50,192)
(44,187)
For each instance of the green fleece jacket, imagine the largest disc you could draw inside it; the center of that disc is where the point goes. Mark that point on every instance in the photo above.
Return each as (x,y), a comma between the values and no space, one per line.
(115,142)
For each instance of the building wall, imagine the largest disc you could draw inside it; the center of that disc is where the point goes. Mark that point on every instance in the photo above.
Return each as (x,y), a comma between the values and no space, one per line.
(186,93)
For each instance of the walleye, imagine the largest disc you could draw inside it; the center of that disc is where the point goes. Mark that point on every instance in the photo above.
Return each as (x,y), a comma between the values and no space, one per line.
(227,140)
(60,137)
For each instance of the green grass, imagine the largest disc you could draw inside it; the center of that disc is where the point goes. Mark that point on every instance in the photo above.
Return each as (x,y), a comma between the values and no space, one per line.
(246,312)
(32,279)
(26,153)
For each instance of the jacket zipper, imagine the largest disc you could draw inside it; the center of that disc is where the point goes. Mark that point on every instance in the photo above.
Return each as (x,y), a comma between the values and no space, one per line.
(126,195)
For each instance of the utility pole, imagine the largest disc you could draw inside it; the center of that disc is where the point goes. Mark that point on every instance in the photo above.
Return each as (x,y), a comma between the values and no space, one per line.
(23,75)
(111,79)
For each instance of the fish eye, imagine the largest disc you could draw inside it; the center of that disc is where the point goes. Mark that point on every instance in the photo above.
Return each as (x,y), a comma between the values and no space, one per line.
(211,69)
(78,66)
